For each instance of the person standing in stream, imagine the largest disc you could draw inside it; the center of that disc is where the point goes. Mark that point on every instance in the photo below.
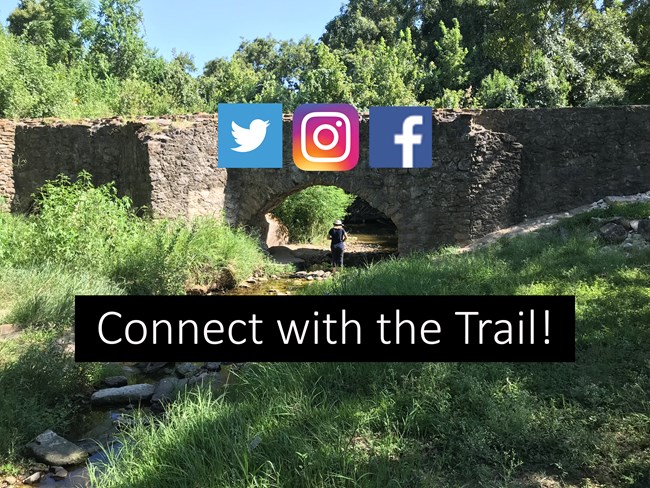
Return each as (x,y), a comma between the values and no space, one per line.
(338,236)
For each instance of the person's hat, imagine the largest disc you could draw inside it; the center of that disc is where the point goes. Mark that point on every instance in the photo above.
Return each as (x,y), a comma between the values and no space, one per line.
(338,222)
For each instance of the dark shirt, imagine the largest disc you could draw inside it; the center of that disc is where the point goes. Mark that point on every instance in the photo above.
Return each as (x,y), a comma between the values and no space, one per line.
(337,234)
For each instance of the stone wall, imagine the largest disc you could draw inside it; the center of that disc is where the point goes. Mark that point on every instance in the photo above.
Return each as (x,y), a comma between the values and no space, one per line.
(490,169)
(182,166)
(7,136)
(109,150)
(574,156)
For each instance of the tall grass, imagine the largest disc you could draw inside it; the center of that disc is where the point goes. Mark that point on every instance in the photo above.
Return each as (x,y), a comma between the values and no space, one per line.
(39,383)
(436,424)
(85,239)
(43,295)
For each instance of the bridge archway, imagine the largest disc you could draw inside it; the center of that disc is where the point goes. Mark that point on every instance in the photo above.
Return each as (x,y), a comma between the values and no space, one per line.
(364,221)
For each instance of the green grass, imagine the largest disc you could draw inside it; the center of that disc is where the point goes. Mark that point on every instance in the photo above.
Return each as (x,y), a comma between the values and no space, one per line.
(44,295)
(585,424)
(84,239)
(39,385)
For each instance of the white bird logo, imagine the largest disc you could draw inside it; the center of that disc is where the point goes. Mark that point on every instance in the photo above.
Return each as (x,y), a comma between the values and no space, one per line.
(251,138)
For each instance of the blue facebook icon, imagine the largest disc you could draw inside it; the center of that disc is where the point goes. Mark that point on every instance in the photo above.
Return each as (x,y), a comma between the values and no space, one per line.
(400,137)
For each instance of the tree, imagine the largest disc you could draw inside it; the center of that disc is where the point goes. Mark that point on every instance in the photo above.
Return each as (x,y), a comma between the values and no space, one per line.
(180,85)
(450,60)
(386,75)
(117,47)
(60,27)
(604,56)
(367,21)
(541,83)
(326,81)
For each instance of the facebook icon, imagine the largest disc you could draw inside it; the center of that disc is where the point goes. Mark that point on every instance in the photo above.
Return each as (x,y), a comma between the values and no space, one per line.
(400,137)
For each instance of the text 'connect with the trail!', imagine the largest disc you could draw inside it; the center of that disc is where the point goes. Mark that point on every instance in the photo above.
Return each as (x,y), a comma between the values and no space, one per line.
(325,328)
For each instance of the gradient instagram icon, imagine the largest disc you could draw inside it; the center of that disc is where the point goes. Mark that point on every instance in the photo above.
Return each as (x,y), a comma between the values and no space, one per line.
(325,137)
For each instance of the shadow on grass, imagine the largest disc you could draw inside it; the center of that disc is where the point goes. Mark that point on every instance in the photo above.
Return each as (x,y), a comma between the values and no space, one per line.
(436,424)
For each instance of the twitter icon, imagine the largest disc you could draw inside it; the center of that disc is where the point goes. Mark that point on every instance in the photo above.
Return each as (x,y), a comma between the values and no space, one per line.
(250,135)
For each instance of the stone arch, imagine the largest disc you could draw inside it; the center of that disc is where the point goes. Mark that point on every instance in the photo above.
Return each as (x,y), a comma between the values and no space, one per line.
(256,219)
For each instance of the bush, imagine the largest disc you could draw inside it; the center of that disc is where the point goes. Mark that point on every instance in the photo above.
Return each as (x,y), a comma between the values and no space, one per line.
(309,213)
(499,91)
(85,239)
(79,224)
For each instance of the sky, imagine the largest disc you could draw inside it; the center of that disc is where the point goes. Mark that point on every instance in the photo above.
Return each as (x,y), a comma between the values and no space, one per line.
(213,28)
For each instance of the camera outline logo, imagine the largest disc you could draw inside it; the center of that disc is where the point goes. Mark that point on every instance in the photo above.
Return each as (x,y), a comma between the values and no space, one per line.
(400,137)
(249,135)
(326,137)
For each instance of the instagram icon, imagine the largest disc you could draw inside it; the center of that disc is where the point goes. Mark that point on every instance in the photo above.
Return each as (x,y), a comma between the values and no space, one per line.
(325,137)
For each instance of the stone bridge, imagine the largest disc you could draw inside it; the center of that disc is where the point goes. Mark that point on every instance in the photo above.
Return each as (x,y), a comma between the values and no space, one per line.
(491,168)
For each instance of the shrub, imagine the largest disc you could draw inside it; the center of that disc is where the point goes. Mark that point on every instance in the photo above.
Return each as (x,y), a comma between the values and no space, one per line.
(499,91)
(309,213)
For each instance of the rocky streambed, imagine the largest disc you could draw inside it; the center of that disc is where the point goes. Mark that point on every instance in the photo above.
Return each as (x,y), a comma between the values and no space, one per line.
(115,406)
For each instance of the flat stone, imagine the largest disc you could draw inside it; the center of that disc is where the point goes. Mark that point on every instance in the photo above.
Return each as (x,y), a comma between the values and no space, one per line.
(59,472)
(123,395)
(115,381)
(613,233)
(53,449)
(32,479)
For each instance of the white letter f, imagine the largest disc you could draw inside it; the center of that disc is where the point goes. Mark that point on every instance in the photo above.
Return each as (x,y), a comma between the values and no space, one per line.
(407,139)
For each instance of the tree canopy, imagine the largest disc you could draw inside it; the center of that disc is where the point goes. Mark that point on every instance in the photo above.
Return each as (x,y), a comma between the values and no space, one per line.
(73,58)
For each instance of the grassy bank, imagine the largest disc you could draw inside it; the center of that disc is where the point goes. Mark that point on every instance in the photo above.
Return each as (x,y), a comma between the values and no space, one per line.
(80,240)
(437,425)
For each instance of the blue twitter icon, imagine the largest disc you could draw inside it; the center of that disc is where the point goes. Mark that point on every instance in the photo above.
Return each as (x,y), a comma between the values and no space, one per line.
(250,135)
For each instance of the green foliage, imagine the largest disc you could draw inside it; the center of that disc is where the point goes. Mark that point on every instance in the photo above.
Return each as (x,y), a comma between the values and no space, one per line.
(451,99)
(542,84)
(309,213)
(28,86)
(87,238)
(499,91)
(639,86)
(367,21)
(59,27)
(325,81)
(450,61)
(76,62)
(383,74)
(79,223)
(179,84)
(117,47)
(42,295)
